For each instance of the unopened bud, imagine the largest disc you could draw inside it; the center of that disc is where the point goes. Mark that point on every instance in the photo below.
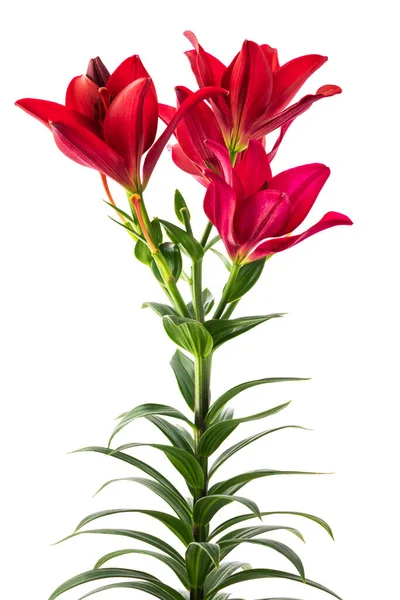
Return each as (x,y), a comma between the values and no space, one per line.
(97,72)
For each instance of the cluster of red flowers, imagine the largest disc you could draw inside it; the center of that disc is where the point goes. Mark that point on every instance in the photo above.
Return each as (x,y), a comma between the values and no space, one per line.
(109,122)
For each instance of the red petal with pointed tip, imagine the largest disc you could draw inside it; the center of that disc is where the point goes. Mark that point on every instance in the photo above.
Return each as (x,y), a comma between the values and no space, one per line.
(184,163)
(219,206)
(289,78)
(331,219)
(46,111)
(302,185)
(131,121)
(282,133)
(166,113)
(128,71)
(264,126)
(250,88)
(82,94)
(85,148)
(261,215)
(271,54)
(253,170)
(155,152)
(224,162)
(198,125)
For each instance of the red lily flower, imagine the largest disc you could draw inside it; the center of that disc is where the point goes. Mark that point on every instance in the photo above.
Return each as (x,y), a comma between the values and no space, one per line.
(260,90)
(109,121)
(248,205)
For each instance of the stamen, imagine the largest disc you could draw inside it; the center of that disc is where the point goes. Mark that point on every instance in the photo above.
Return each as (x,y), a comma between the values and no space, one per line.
(104,97)
(135,201)
(109,196)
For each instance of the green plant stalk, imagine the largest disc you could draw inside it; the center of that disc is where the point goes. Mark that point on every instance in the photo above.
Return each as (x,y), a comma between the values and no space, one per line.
(206,234)
(225,294)
(170,284)
(197,291)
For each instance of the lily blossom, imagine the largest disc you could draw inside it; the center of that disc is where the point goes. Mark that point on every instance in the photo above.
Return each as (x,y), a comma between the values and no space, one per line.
(254,212)
(108,121)
(260,90)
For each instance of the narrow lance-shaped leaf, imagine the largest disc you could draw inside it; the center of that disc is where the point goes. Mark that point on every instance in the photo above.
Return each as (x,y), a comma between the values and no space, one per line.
(252,574)
(223,330)
(175,565)
(218,405)
(217,575)
(183,461)
(199,556)
(189,334)
(247,277)
(243,443)
(162,310)
(183,368)
(158,589)
(217,433)
(181,237)
(181,508)
(283,549)
(240,518)
(248,533)
(232,485)
(207,507)
(178,436)
(145,410)
(97,574)
(132,534)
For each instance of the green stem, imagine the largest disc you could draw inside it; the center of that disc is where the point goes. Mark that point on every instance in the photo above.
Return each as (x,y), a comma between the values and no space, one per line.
(201,406)
(206,234)
(225,294)
(229,310)
(170,284)
(197,291)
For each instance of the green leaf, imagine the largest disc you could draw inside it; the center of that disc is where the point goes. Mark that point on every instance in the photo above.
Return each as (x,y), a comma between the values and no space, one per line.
(185,463)
(178,527)
(173,257)
(207,301)
(183,368)
(88,576)
(247,533)
(146,410)
(232,485)
(223,330)
(156,232)
(121,212)
(217,406)
(242,444)
(222,258)
(215,435)
(251,574)
(135,462)
(143,253)
(189,334)
(158,589)
(128,227)
(178,436)
(278,547)
(147,538)
(182,509)
(181,237)
(207,507)
(162,310)
(247,277)
(217,576)
(175,565)
(199,557)
(211,243)
(179,205)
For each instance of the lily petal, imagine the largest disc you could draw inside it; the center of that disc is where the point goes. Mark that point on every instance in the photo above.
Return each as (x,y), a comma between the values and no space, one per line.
(186,165)
(289,78)
(219,206)
(85,148)
(282,133)
(271,54)
(250,88)
(82,94)
(224,162)
(131,121)
(128,71)
(253,170)
(331,219)
(198,125)
(302,185)
(46,111)
(155,151)
(166,113)
(264,126)
(262,215)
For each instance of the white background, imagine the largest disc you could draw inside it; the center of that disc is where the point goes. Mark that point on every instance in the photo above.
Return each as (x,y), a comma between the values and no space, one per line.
(77,350)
